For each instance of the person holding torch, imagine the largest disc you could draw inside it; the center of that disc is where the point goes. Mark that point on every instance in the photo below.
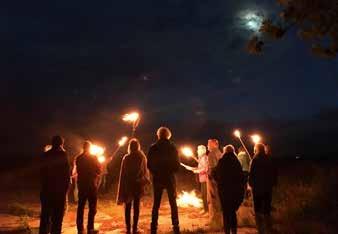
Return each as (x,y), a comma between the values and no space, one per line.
(229,176)
(214,205)
(202,171)
(262,179)
(88,170)
(244,159)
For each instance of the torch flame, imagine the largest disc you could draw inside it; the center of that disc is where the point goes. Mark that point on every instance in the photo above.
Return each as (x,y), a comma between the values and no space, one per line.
(237,133)
(131,117)
(187,151)
(47,148)
(96,150)
(101,159)
(123,141)
(256,138)
(189,199)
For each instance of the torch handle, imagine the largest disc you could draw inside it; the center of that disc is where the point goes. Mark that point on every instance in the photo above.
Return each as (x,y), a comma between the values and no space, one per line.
(135,125)
(115,152)
(246,150)
(195,158)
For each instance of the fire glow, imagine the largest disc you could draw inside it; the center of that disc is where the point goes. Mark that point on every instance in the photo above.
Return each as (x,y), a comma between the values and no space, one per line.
(123,141)
(131,117)
(256,139)
(189,199)
(96,150)
(187,151)
(101,159)
(237,133)
(47,148)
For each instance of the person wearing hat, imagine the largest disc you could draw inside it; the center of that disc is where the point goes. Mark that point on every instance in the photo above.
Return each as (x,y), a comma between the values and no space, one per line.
(55,177)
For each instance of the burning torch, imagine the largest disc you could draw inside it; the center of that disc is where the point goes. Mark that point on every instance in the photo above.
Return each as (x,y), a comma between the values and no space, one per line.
(98,151)
(120,143)
(237,134)
(101,159)
(256,138)
(47,148)
(188,152)
(134,119)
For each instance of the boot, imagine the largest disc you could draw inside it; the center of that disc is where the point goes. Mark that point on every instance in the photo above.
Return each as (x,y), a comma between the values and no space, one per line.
(268,223)
(260,223)
(153,229)
(128,229)
(92,231)
(137,231)
(233,230)
(176,229)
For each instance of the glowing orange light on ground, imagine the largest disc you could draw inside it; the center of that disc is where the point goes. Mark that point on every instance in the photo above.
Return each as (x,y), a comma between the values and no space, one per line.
(189,199)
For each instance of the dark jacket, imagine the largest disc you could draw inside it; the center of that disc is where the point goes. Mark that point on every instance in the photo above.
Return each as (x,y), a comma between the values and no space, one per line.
(230,180)
(54,172)
(263,174)
(163,160)
(88,171)
(134,177)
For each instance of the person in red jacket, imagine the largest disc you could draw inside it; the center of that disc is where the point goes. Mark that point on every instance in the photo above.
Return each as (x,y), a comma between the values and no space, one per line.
(55,178)
(88,171)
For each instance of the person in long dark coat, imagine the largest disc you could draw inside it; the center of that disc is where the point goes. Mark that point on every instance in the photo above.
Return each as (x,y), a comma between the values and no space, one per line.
(55,178)
(134,177)
(163,163)
(88,171)
(262,179)
(230,182)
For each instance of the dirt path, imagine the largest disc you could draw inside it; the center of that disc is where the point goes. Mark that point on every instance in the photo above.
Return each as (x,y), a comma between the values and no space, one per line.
(24,218)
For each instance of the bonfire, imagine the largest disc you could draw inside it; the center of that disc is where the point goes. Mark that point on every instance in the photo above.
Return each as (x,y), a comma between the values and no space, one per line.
(189,199)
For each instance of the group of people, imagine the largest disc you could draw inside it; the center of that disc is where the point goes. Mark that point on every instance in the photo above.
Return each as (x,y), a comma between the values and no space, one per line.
(223,178)
(227,178)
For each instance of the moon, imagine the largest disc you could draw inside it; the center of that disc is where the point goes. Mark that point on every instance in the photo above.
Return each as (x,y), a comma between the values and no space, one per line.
(251,20)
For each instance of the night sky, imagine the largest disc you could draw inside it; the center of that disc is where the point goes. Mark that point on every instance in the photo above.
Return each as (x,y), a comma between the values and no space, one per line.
(73,67)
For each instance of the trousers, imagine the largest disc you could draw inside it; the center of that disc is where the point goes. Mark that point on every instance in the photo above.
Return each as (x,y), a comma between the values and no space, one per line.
(91,197)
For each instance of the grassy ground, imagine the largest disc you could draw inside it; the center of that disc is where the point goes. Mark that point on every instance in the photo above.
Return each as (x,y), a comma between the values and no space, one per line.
(305,199)
(304,202)
(22,217)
